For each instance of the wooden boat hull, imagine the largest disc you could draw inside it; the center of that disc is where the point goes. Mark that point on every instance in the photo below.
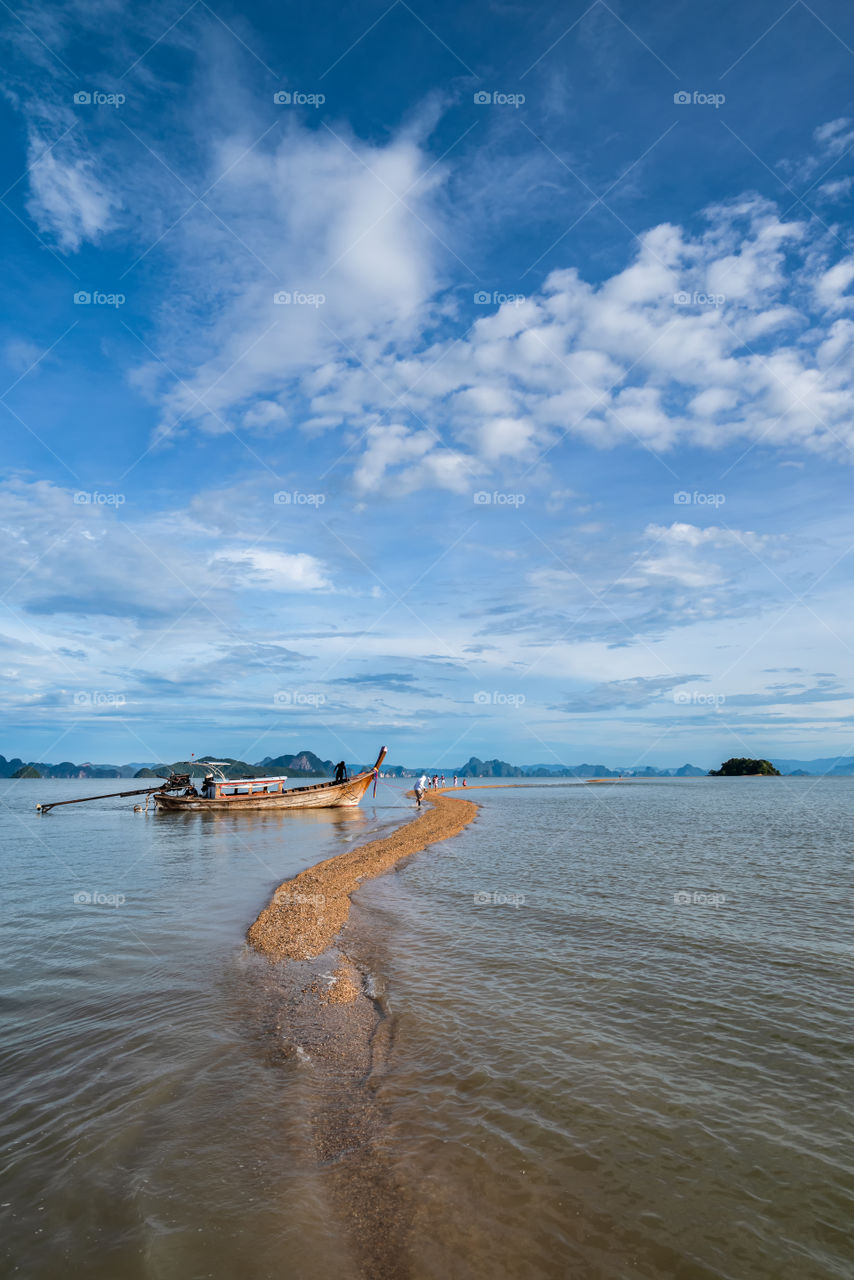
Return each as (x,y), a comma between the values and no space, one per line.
(319,795)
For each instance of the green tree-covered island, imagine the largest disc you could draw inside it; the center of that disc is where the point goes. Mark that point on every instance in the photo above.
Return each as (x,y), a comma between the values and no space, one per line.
(740,767)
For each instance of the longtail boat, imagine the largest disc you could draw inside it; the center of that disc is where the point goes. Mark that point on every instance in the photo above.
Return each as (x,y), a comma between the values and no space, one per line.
(220,793)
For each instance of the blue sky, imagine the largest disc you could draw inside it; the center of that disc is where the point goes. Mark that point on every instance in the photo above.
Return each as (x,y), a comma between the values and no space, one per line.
(475,379)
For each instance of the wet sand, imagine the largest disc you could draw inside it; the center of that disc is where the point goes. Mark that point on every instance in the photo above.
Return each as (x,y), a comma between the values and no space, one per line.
(307,913)
(320,1008)
(316,1022)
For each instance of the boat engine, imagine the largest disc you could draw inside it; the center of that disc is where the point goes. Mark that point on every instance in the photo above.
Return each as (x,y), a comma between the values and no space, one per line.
(176,782)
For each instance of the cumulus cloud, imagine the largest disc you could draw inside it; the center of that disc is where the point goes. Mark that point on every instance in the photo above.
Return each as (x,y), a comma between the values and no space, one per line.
(738,333)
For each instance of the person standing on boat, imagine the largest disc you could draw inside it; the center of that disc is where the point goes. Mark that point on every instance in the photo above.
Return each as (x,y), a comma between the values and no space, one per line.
(420,788)
(340,771)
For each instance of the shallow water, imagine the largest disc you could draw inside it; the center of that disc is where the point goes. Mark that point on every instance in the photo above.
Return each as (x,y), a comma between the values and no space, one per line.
(585,1076)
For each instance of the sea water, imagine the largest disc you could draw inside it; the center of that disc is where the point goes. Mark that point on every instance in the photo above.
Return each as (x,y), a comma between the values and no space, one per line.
(620,1020)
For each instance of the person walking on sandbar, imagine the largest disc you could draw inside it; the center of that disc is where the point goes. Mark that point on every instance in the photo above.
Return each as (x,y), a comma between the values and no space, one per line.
(420,788)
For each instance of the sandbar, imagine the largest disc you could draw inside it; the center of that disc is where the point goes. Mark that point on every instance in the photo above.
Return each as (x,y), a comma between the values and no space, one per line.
(306,913)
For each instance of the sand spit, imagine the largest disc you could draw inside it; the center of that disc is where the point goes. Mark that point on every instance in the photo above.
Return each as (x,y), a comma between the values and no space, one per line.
(307,913)
(320,1011)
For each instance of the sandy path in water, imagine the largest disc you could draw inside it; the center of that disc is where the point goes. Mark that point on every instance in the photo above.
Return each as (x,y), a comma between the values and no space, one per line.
(343,1034)
(307,913)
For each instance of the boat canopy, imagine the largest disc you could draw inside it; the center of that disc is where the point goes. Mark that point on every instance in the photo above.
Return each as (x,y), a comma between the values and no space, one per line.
(252,782)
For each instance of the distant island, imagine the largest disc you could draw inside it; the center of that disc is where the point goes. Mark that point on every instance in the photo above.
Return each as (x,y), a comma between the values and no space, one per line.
(742,767)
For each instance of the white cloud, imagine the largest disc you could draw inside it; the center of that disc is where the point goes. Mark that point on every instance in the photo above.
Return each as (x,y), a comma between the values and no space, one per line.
(328,228)
(836,137)
(675,554)
(746,359)
(264,413)
(68,200)
(276,570)
(757,352)
(385,447)
(836,190)
(832,284)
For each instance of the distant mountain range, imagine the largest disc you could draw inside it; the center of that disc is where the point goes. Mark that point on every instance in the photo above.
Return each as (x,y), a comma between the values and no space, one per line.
(841,766)
(476,768)
(305,764)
